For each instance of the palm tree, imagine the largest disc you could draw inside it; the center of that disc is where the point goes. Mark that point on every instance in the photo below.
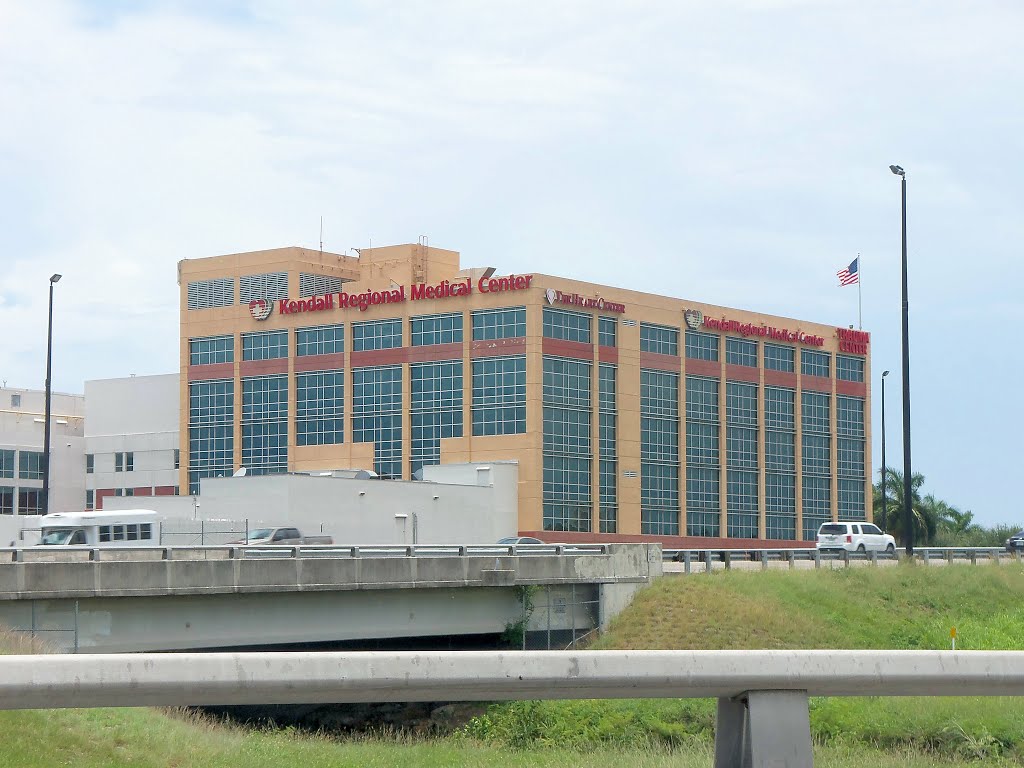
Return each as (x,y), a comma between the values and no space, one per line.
(890,516)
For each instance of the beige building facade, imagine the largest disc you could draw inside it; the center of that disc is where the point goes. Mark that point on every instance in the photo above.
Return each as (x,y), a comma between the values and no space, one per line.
(632,416)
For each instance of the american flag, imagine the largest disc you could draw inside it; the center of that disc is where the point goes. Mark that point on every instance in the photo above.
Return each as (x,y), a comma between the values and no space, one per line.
(851,274)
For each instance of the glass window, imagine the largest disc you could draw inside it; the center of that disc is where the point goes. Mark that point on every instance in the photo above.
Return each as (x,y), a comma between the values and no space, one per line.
(506,323)
(90,463)
(741,459)
(778,358)
(849,368)
(89,499)
(659,451)
(606,329)
(702,457)
(701,346)
(210,430)
(815,363)
(436,408)
(30,465)
(6,463)
(499,395)
(567,448)
(211,349)
(129,462)
(265,424)
(436,329)
(320,340)
(30,501)
(659,338)
(177,458)
(814,411)
(6,500)
(377,415)
(376,334)
(817,504)
(850,415)
(569,326)
(265,345)
(16,401)
(119,462)
(320,407)
(741,352)
(607,447)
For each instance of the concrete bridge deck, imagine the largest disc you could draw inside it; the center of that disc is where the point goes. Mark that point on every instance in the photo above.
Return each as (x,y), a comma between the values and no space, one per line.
(170,598)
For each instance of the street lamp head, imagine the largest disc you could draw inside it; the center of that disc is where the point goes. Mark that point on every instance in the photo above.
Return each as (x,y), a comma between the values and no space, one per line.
(884,374)
(55,278)
(897,170)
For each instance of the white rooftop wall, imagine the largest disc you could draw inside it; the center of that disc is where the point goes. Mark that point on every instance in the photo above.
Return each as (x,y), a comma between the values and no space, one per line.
(475,504)
(131,406)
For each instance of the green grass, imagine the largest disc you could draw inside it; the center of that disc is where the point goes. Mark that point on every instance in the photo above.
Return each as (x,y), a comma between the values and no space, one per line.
(884,608)
(104,738)
(905,607)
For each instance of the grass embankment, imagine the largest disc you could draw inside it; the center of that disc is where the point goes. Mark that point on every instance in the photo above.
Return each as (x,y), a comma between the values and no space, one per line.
(883,608)
(858,608)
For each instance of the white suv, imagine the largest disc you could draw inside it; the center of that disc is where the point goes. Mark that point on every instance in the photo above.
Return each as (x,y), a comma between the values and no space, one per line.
(854,537)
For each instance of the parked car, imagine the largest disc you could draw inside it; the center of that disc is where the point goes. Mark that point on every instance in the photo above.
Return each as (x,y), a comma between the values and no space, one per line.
(514,540)
(282,536)
(1015,542)
(854,537)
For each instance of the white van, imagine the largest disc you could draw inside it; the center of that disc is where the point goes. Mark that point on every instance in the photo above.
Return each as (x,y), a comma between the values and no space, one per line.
(115,528)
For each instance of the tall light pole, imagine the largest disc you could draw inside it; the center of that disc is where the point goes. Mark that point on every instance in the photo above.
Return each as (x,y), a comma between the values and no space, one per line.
(885,476)
(46,406)
(908,515)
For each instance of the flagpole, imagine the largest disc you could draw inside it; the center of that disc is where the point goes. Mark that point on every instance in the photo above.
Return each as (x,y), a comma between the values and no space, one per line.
(860,279)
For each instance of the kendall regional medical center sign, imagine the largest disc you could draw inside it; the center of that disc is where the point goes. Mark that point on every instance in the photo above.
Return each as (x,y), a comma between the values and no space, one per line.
(261,309)
(446,289)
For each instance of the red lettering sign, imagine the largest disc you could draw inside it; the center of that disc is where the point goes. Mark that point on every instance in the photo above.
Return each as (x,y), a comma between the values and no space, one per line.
(766,331)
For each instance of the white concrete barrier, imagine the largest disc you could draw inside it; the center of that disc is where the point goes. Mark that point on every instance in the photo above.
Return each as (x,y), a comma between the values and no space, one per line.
(762,709)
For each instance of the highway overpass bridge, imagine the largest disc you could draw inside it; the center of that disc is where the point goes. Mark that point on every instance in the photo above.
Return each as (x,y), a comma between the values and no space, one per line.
(106,600)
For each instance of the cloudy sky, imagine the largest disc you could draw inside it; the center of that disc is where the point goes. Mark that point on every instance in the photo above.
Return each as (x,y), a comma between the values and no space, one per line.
(727,151)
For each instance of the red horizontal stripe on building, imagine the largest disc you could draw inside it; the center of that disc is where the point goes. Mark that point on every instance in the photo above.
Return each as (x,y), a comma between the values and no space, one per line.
(372,357)
(702,367)
(435,352)
(498,347)
(563,348)
(659,362)
(608,354)
(741,373)
(780,379)
(165,490)
(668,542)
(332,362)
(213,371)
(100,495)
(263,367)
(146,491)
(816,383)
(851,388)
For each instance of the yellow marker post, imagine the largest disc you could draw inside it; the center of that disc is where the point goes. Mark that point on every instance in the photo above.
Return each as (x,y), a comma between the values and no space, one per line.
(952,636)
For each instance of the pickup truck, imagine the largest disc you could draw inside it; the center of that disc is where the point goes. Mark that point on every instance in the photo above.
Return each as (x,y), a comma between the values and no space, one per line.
(282,536)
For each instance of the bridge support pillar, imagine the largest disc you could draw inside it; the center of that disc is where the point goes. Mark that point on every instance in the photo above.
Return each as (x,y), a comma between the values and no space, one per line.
(762,729)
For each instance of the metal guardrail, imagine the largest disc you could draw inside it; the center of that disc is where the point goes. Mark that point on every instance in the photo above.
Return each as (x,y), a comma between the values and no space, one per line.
(707,557)
(762,718)
(243,551)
